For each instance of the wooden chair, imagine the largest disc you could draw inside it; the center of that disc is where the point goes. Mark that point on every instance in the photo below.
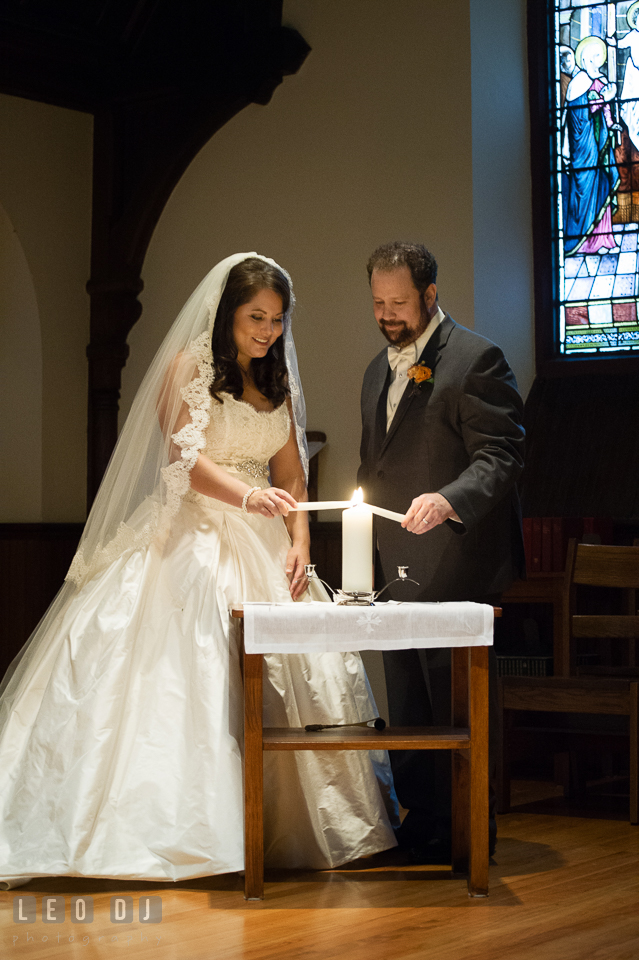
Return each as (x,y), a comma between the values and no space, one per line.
(601,566)
(613,691)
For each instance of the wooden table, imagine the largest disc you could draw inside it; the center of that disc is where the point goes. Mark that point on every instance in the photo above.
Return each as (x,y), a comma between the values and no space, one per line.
(467,739)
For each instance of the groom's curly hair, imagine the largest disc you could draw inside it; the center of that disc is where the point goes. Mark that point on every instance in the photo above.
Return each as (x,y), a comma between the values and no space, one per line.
(415,256)
(270,374)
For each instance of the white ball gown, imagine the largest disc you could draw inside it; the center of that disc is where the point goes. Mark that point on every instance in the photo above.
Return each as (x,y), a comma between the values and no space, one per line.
(121,744)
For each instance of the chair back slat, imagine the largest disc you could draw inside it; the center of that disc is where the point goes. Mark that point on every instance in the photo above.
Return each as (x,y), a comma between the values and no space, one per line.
(605,626)
(576,695)
(606,566)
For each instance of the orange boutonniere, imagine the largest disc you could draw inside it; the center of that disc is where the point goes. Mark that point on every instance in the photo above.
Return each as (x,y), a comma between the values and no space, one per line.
(419,373)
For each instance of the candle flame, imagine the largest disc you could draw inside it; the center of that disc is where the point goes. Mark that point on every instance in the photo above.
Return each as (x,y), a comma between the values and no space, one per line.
(358,497)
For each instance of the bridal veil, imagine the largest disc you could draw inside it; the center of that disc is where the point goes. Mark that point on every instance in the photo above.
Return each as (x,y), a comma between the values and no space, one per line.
(149,472)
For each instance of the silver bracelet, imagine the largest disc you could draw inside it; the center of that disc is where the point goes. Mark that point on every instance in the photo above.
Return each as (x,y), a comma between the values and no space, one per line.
(245,498)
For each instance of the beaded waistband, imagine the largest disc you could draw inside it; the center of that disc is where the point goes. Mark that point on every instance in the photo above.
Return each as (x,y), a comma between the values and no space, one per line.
(253,468)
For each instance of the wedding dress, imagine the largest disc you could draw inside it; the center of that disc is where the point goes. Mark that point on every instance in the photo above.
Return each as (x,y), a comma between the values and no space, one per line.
(122,753)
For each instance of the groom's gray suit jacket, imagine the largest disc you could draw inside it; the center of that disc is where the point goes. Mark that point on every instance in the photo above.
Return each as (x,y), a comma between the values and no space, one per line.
(460,436)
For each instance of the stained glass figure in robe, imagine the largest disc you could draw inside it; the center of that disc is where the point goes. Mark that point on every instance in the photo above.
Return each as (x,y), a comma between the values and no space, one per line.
(591,177)
(596,178)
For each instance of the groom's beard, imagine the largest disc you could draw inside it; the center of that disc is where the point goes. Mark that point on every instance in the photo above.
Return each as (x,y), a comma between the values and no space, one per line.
(401,334)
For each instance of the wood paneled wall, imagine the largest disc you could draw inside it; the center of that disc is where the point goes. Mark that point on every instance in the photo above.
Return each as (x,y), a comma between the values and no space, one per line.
(582,447)
(326,551)
(34,558)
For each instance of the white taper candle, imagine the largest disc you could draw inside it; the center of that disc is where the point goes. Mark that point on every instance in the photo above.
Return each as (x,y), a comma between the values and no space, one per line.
(321,505)
(357,549)
(389,514)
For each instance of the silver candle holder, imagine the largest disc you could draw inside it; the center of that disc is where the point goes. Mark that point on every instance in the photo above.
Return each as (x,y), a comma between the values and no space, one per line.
(353,599)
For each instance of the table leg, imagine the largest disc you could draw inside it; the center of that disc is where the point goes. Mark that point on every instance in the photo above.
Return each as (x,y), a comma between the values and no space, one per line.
(503,759)
(253,779)
(478,873)
(634,753)
(460,762)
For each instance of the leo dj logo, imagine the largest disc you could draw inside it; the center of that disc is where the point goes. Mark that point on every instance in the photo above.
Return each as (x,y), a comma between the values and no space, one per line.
(54,910)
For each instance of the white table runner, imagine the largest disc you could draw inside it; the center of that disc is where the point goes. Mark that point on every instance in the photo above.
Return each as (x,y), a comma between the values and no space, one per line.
(321,627)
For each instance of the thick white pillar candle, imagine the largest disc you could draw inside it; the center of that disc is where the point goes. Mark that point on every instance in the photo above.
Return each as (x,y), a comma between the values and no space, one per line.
(357,549)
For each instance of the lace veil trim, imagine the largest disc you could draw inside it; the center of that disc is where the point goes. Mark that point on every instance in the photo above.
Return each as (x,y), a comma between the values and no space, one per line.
(163,505)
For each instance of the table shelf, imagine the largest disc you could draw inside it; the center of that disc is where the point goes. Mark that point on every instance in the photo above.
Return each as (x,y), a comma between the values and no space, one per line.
(367,738)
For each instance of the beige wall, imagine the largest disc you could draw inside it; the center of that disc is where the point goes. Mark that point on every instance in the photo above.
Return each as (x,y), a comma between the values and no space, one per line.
(377,136)
(45,189)
(370,141)
(502,215)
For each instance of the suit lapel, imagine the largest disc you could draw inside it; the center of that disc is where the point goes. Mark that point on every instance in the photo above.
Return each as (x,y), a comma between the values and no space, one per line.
(430,356)
(380,412)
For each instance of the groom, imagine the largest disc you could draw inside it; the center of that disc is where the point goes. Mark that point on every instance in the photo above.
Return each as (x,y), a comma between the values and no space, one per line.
(442,443)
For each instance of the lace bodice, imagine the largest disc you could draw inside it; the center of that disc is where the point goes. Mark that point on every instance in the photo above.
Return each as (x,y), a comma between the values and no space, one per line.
(238,432)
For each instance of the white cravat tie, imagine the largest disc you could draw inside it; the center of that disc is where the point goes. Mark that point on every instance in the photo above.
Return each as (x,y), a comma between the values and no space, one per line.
(397,355)
(400,359)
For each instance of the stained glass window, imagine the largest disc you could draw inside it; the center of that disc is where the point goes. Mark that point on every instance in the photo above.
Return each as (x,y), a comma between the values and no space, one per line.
(595,105)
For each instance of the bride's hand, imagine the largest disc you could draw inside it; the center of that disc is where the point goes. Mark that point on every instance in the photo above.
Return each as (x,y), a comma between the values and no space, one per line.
(271,502)
(296,559)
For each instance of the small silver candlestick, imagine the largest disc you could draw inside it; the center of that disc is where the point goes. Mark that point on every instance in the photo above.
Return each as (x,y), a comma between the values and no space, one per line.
(348,598)
(309,570)
(402,577)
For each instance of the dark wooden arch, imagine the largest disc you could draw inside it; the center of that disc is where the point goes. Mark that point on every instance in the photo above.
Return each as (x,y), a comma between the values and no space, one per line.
(160,78)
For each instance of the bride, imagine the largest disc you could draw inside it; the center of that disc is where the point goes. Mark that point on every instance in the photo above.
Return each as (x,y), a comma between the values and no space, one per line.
(121,720)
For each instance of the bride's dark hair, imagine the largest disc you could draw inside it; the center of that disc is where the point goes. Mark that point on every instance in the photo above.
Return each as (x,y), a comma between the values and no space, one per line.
(270,374)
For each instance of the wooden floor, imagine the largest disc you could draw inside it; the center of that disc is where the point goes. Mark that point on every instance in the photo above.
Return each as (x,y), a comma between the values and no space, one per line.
(564,886)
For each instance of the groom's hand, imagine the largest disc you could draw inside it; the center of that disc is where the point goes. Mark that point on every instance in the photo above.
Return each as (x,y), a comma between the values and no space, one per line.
(427,512)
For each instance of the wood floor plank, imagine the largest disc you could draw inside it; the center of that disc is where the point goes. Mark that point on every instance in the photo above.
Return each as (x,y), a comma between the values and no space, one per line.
(561,888)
